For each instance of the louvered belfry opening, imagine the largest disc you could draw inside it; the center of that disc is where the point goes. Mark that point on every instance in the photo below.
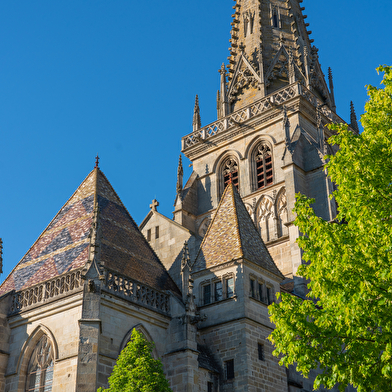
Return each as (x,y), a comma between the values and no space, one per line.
(264,167)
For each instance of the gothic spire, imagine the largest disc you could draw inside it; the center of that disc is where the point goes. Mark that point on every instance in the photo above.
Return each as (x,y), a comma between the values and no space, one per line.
(353,118)
(180,174)
(270,47)
(196,115)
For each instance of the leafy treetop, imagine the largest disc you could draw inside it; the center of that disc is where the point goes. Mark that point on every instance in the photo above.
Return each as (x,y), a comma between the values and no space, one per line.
(136,370)
(344,325)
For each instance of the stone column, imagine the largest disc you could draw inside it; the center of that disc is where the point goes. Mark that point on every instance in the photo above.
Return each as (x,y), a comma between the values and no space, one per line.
(90,330)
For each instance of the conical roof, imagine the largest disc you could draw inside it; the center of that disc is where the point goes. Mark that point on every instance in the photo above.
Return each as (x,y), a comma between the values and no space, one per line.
(232,235)
(64,244)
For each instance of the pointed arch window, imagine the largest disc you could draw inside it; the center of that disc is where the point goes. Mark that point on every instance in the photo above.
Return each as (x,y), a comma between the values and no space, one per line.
(230,172)
(40,368)
(264,169)
(275,20)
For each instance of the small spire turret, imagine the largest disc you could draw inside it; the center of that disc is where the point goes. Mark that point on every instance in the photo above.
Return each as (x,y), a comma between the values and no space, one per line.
(186,273)
(330,78)
(218,105)
(180,174)
(196,115)
(353,118)
(223,89)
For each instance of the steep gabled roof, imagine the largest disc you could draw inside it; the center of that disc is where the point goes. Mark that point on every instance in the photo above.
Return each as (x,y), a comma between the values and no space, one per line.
(232,235)
(64,244)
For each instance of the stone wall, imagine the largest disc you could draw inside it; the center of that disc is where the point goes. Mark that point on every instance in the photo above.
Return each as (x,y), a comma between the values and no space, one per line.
(60,321)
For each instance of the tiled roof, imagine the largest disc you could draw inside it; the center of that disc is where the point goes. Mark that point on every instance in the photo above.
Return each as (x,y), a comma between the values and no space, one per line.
(64,244)
(232,235)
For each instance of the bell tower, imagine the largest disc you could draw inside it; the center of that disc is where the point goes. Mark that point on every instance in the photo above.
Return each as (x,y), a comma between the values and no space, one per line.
(270,136)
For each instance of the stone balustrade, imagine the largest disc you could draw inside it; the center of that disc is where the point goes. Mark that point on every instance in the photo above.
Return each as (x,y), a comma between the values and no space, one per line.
(137,292)
(240,116)
(46,291)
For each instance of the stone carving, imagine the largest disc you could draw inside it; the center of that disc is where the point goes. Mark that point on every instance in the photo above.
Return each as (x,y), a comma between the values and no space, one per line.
(245,78)
(46,291)
(281,212)
(249,208)
(229,166)
(261,151)
(265,218)
(137,292)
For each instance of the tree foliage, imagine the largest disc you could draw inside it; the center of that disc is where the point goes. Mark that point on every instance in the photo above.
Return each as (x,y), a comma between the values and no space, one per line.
(344,326)
(136,370)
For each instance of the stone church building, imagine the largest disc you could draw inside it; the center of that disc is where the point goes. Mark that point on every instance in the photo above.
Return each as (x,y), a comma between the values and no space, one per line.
(199,283)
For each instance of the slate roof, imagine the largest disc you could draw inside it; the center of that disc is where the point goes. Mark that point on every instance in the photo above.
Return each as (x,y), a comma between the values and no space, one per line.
(232,235)
(64,244)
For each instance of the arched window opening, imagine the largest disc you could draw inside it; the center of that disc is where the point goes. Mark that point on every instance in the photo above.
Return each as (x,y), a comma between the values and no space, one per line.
(275,20)
(40,368)
(264,166)
(230,172)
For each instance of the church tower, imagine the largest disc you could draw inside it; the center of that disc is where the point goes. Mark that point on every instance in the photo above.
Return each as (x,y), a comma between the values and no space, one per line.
(270,137)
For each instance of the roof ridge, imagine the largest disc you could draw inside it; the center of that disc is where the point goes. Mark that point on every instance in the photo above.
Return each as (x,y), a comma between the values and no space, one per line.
(237,226)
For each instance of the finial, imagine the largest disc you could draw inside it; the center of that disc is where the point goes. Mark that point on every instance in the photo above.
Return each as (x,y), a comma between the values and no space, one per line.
(96,162)
(185,255)
(222,69)
(196,115)
(1,256)
(329,73)
(154,205)
(180,173)
(353,118)
(242,47)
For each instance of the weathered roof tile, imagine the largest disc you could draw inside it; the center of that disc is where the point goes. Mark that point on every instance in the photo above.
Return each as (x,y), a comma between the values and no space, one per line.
(232,235)
(64,244)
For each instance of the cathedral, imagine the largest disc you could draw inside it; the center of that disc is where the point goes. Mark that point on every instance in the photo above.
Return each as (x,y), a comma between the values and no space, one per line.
(197,284)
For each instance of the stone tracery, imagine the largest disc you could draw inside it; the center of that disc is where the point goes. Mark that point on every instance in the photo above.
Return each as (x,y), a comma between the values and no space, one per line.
(40,368)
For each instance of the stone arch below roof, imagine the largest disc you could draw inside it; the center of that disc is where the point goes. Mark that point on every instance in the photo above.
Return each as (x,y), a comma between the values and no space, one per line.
(28,348)
(140,328)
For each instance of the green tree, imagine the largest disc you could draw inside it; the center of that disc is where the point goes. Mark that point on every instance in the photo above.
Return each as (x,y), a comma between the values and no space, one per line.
(344,326)
(136,370)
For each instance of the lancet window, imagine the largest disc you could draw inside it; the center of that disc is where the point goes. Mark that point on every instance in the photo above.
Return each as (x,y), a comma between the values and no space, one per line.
(40,368)
(275,17)
(230,172)
(264,169)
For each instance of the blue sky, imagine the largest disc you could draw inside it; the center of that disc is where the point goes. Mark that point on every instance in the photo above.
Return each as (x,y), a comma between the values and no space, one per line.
(119,78)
